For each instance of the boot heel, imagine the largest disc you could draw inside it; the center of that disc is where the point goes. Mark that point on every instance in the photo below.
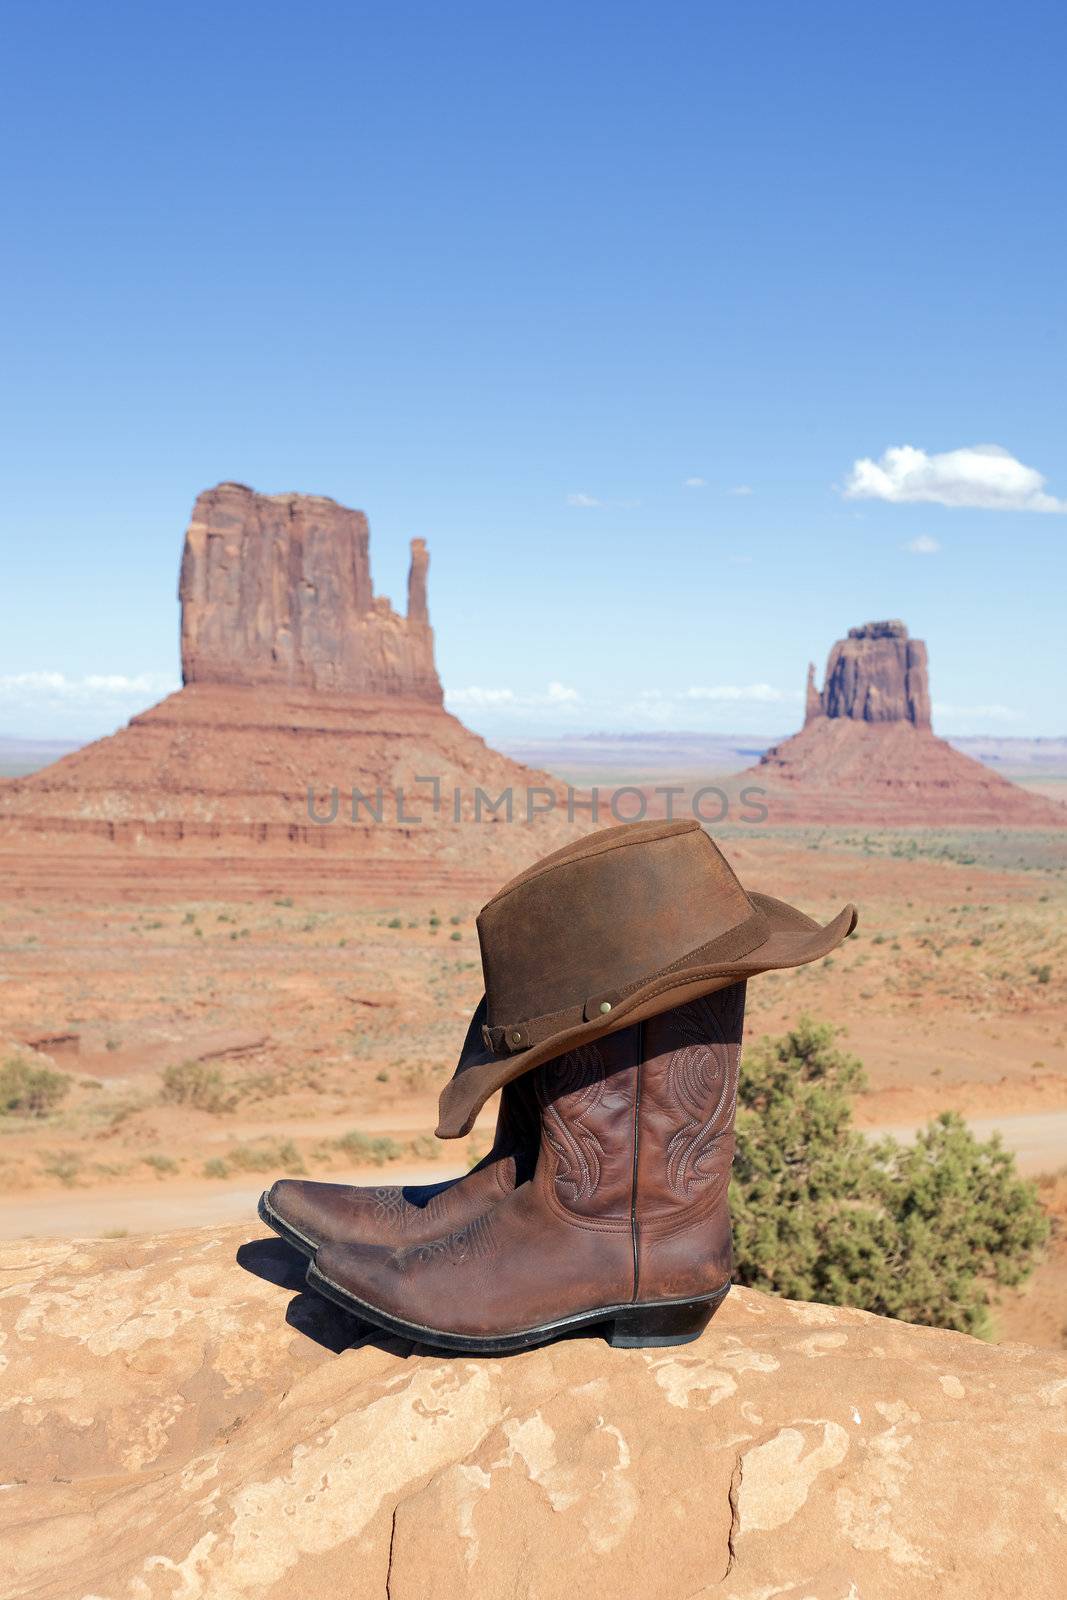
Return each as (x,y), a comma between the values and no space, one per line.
(648,1326)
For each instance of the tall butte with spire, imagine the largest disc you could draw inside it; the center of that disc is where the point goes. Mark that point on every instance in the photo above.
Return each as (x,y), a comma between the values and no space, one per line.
(296,677)
(276,592)
(867,752)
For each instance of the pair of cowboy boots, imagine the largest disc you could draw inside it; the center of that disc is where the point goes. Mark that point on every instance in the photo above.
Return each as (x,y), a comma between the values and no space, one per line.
(615,973)
(602,1201)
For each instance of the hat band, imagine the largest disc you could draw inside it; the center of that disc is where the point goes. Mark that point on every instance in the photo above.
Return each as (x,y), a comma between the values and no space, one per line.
(733,945)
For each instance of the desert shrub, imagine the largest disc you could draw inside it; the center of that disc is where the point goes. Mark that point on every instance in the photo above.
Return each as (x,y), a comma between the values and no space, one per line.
(195,1083)
(216,1168)
(365,1147)
(918,1232)
(161,1165)
(265,1157)
(30,1091)
(64,1165)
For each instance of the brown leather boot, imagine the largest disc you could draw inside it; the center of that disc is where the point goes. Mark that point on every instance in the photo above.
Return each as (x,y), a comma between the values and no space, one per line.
(624,1223)
(309,1214)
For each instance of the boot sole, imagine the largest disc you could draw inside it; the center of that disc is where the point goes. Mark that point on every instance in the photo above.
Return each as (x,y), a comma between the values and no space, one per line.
(627,1327)
(285,1230)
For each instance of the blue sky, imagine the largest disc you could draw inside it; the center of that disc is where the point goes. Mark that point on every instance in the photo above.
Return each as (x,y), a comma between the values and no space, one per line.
(472,267)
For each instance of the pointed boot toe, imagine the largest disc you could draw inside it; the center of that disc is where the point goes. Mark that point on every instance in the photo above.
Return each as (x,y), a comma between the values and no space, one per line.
(309,1214)
(361,1278)
(305,1213)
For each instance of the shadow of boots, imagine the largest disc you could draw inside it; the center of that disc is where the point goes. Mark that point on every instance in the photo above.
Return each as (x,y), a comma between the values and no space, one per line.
(319,1320)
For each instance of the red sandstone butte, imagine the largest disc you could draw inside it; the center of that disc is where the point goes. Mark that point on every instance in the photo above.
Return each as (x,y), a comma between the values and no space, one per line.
(297,677)
(867,753)
(276,590)
(877,674)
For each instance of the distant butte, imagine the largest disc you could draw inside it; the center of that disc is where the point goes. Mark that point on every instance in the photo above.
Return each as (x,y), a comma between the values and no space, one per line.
(867,752)
(877,674)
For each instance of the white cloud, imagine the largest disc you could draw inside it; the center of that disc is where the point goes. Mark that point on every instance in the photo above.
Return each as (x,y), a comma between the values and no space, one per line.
(95,688)
(651,706)
(696,483)
(705,708)
(477,696)
(557,694)
(746,691)
(47,704)
(981,475)
(586,500)
(922,546)
(741,488)
(993,713)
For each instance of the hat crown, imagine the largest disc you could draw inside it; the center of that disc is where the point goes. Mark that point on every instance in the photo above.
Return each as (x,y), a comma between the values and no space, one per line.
(603,914)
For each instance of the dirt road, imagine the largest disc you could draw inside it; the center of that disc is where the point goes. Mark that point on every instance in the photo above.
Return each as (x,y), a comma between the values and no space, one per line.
(154,1207)
(1038,1139)
(1039,1142)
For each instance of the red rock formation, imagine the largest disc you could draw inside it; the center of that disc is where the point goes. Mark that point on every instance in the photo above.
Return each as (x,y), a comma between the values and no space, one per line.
(298,682)
(812,698)
(866,752)
(877,674)
(276,589)
(420,562)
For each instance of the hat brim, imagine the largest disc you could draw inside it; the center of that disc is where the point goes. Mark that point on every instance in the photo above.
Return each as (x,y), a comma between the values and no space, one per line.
(794,940)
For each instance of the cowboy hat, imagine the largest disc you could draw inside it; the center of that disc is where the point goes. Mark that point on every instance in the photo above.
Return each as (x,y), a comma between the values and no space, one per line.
(614,928)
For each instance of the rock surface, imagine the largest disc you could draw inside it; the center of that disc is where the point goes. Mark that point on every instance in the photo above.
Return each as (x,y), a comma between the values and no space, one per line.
(276,589)
(877,674)
(178,1422)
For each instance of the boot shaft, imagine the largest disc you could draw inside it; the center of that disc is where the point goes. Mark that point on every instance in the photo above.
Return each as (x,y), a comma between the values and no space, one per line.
(624,1221)
(637,1137)
(518,1132)
(688,1090)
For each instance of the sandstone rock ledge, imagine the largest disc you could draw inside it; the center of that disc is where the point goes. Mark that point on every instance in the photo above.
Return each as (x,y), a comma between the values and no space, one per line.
(175,1424)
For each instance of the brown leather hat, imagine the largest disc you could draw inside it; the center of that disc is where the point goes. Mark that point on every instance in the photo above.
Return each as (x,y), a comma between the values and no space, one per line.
(614,928)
